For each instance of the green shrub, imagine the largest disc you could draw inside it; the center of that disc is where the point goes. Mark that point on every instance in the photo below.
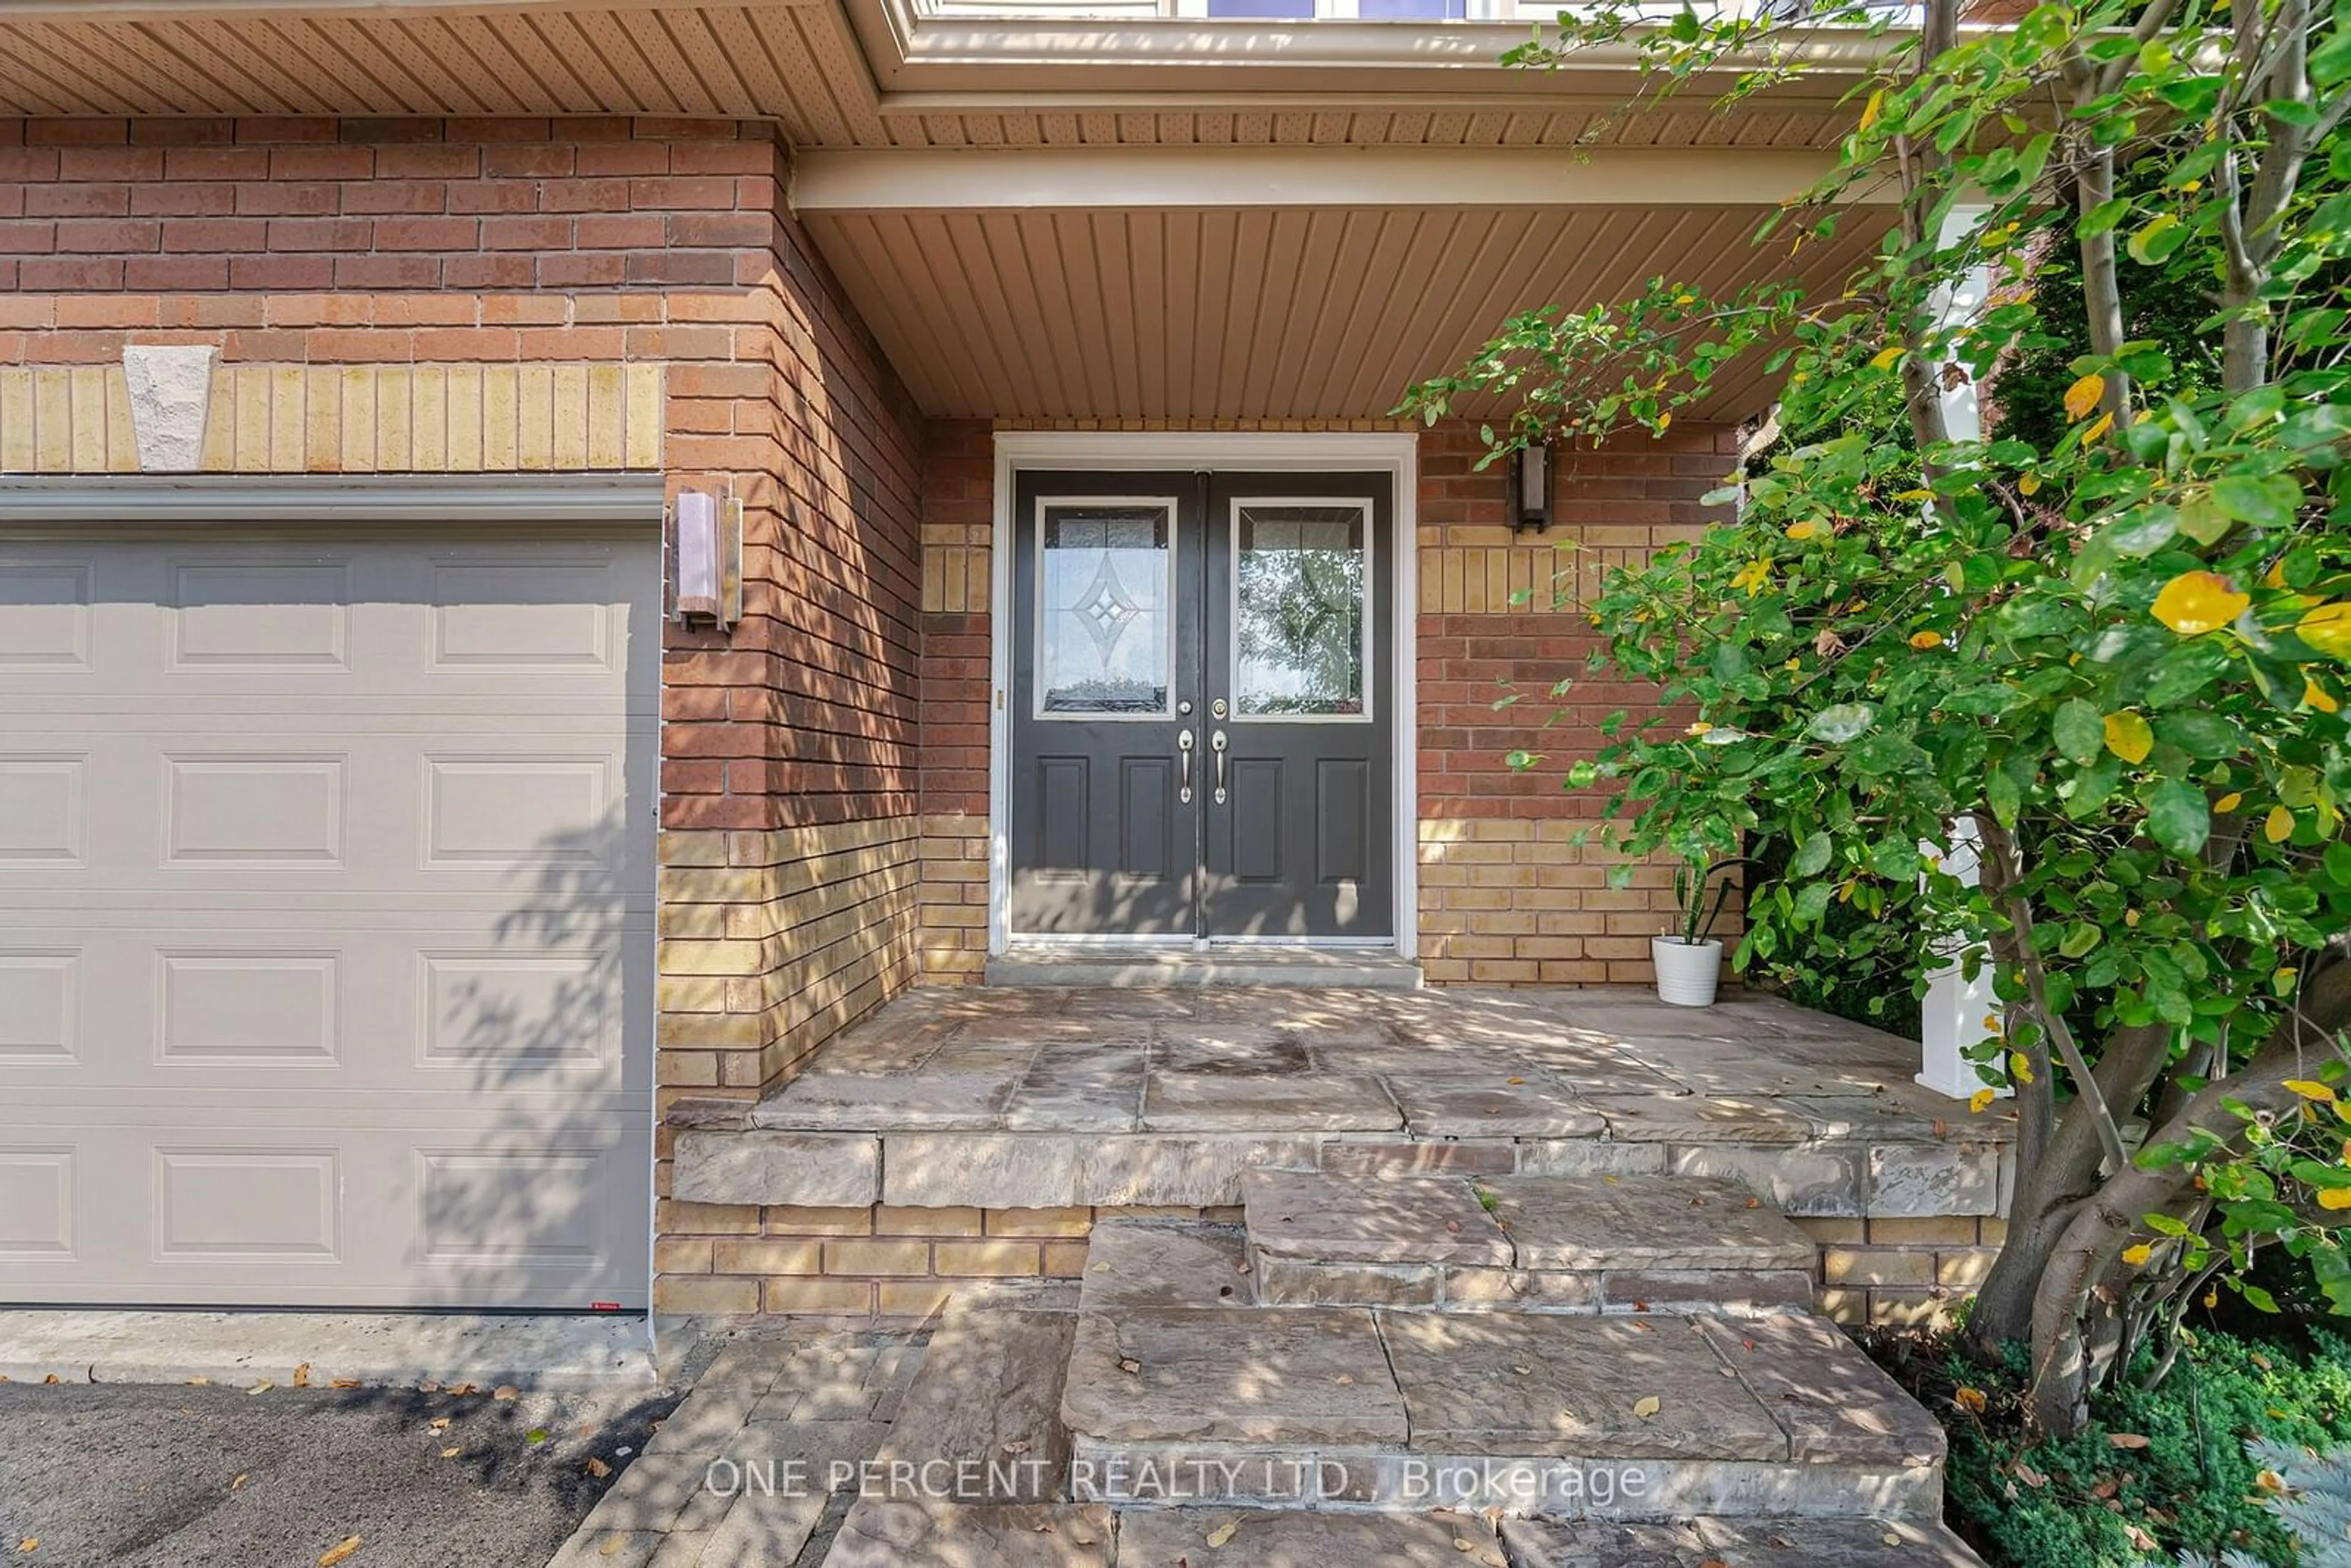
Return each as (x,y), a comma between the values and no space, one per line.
(2159,1471)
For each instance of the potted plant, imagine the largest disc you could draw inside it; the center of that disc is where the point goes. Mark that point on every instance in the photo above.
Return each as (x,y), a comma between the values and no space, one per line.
(1689,958)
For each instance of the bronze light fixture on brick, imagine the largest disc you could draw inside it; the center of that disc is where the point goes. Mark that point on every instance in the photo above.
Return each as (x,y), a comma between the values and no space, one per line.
(706,560)
(1531,490)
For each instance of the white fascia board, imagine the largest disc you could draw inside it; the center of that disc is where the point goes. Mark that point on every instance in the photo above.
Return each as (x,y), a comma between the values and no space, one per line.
(935,180)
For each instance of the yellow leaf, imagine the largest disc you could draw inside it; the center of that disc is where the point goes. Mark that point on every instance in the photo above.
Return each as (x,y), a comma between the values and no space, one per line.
(2311,1090)
(1663,420)
(2138,1255)
(2083,395)
(1922,641)
(2106,422)
(2029,485)
(505,1390)
(2318,696)
(1754,577)
(440,1423)
(1870,110)
(1885,357)
(1804,529)
(30,1544)
(340,1552)
(344,1382)
(598,1467)
(263,1386)
(1970,1400)
(1701,727)
(1224,1533)
(2227,804)
(1981,1099)
(2129,737)
(1646,1406)
(301,1378)
(2279,826)
(2212,1299)
(2126,1440)
(453,1451)
(2196,602)
(1914,495)
(2328,628)
(2334,1197)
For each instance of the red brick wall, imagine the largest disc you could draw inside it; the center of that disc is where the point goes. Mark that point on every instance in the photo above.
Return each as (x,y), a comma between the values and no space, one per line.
(788,779)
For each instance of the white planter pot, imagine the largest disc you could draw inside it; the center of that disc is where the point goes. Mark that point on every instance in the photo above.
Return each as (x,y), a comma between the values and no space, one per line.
(1688,972)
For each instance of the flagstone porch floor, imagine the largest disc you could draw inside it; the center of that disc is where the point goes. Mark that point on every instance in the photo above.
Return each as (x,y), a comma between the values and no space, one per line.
(1044,1097)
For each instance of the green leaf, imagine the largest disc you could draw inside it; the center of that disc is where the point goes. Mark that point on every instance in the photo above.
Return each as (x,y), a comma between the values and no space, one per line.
(2202,734)
(2080,938)
(2265,503)
(2157,239)
(2336,858)
(1842,723)
(2102,218)
(2179,817)
(2080,731)
(1813,903)
(2330,62)
(1813,857)
(2007,801)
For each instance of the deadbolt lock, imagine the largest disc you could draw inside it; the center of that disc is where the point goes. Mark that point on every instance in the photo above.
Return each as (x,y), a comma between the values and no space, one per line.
(1216,708)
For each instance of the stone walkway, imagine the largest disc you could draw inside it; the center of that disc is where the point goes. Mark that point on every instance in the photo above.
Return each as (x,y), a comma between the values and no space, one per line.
(1047,1099)
(870,1449)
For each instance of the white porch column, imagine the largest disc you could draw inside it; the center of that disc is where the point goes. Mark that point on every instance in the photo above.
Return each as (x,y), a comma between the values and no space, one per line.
(1959,1013)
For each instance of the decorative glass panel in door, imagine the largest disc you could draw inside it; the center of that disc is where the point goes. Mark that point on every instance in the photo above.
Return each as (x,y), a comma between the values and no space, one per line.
(1106,636)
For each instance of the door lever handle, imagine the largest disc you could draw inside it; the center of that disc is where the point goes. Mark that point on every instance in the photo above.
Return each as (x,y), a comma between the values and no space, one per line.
(1184,755)
(1217,744)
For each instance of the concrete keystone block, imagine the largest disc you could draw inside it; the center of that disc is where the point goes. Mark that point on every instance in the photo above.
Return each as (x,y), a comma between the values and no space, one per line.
(810,1169)
(170,395)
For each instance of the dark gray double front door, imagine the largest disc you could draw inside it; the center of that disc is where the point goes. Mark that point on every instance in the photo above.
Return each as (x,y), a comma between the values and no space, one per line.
(1202,709)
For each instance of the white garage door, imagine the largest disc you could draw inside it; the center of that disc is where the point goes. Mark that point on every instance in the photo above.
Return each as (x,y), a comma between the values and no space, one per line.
(326,916)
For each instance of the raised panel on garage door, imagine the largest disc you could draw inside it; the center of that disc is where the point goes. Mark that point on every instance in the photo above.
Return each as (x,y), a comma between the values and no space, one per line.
(326,917)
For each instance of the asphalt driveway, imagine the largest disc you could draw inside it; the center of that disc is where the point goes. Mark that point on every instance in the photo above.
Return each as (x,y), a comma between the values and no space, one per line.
(145,1476)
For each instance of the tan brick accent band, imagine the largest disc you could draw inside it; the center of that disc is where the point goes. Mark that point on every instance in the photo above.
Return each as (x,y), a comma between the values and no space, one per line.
(66,419)
(350,419)
(771,942)
(433,418)
(1902,1271)
(1510,900)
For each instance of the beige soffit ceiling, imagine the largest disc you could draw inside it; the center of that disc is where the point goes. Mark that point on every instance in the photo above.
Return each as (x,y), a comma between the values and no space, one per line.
(863,73)
(1256,313)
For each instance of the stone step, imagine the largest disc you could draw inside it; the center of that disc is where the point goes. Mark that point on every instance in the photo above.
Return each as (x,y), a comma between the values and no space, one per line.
(1552,1244)
(1661,1417)
(1697,1542)
(901,1534)
(1260,1538)
(1144,964)
(981,1420)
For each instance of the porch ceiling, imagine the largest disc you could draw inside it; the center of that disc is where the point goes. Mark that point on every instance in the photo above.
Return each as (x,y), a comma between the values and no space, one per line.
(1258,313)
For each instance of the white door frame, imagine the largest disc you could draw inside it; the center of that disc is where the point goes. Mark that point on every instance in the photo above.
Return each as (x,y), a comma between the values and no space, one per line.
(1397,455)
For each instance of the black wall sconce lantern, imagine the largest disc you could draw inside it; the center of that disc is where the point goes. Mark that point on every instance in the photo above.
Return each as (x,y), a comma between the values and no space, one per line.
(1531,490)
